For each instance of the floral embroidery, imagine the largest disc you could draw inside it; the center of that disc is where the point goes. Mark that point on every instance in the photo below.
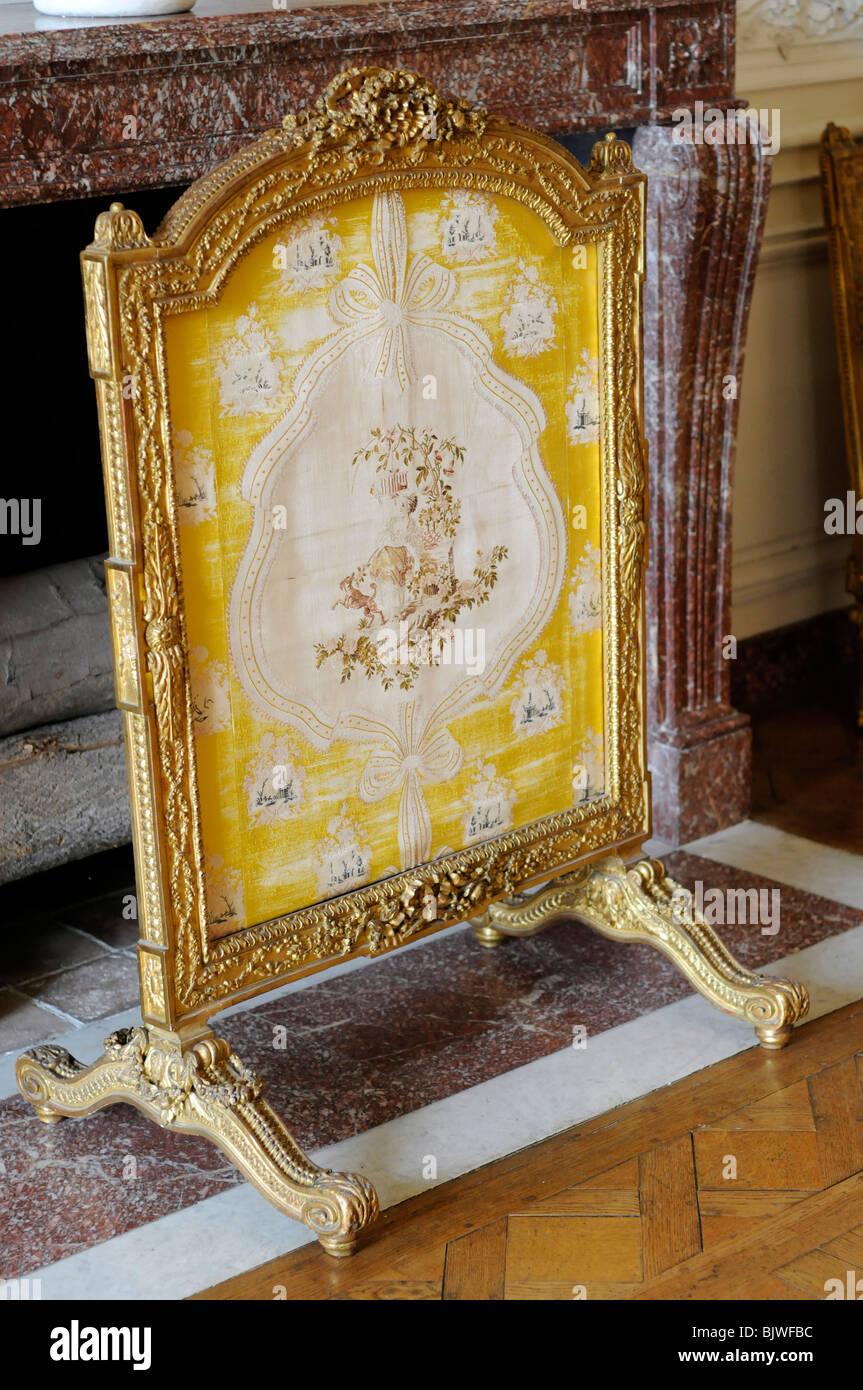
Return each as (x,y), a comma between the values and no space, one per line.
(343,860)
(489,802)
(194,480)
(585,592)
(467,229)
(588,771)
(309,259)
(528,322)
(224,893)
(249,378)
(582,407)
(211,706)
(273,783)
(538,704)
(406,595)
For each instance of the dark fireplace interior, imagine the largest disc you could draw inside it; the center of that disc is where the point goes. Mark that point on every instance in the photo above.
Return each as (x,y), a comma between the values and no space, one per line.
(48,381)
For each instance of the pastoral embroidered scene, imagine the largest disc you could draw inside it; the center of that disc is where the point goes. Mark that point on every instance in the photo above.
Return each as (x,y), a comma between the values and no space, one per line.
(582,406)
(194,479)
(249,376)
(467,230)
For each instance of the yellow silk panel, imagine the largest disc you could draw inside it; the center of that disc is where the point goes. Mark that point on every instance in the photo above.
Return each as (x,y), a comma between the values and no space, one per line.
(389,421)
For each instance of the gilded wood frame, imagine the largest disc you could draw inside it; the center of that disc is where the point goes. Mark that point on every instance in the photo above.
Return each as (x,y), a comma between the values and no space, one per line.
(842,190)
(369,131)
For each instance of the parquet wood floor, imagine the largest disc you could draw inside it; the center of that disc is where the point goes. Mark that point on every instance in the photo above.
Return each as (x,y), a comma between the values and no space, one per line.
(742,1181)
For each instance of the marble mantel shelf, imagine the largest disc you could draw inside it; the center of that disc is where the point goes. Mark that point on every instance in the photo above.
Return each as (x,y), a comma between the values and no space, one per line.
(203,83)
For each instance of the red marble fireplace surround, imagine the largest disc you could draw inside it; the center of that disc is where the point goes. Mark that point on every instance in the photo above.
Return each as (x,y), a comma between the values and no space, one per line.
(201,85)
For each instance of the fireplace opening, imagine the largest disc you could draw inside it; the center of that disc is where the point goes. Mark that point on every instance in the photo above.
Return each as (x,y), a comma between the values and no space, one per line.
(63,790)
(48,383)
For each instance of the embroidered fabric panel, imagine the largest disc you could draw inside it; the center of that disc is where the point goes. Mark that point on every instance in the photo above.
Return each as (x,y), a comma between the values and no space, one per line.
(386,467)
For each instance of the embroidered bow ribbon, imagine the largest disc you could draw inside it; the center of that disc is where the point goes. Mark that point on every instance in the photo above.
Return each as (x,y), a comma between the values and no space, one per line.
(408,757)
(395,294)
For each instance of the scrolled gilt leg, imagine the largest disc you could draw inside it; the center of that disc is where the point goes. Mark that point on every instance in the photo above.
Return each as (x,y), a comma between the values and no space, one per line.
(643,903)
(205,1089)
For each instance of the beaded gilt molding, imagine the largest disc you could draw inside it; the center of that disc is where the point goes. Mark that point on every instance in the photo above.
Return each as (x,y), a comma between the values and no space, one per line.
(370,131)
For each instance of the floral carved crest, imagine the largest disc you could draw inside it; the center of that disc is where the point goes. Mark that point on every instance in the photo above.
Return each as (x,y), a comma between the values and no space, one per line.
(375,106)
(119,229)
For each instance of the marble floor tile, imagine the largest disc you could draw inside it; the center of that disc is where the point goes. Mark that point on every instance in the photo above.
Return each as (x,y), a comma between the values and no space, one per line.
(801,863)
(99,987)
(23,1023)
(40,948)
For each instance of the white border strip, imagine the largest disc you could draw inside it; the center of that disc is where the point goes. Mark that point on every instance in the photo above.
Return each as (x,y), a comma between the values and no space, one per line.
(762,849)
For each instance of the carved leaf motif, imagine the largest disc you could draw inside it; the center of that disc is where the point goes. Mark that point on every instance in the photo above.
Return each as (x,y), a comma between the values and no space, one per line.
(376,106)
(610,157)
(119,229)
(96,302)
(630,505)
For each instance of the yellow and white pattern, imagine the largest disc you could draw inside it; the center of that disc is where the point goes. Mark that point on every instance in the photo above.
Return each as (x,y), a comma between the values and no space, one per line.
(387,458)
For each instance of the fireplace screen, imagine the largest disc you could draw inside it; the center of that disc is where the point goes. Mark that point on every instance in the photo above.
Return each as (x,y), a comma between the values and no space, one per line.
(370,402)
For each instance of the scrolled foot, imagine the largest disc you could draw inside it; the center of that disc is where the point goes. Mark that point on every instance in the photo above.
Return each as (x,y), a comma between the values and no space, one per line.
(774,1011)
(35,1072)
(644,903)
(771,1039)
(340,1207)
(204,1088)
(486,934)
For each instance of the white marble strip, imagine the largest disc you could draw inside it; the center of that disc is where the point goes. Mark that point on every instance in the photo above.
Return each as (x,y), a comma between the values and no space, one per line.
(762,849)
(237,1230)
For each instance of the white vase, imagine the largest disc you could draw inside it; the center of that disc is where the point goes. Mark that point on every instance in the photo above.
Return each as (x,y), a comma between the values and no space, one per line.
(107,9)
